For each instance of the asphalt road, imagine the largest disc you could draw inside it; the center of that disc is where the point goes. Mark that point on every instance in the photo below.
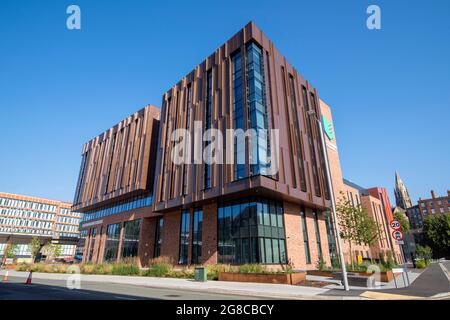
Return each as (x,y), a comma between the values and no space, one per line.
(16,289)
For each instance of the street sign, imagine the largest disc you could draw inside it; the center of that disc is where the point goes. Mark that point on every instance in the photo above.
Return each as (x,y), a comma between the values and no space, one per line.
(397,235)
(401,242)
(396,225)
(397,270)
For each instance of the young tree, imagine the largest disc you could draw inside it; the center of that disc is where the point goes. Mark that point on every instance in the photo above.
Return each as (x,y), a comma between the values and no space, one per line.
(403,221)
(368,230)
(35,247)
(10,250)
(356,225)
(437,233)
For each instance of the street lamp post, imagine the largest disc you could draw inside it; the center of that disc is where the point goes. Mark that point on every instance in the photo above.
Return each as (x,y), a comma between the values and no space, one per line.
(312,113)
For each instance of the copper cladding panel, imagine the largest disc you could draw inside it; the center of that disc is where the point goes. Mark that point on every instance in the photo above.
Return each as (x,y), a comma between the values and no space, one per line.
(120,161)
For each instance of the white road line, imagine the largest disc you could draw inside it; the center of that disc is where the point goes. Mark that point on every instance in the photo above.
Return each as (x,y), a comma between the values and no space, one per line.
(124,298)
(444,269)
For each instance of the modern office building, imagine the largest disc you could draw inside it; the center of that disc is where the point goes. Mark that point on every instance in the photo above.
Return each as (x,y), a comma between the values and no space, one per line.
(115,190)
(260,197)
(373,200)
(242,213)
(434,205)
(23,217)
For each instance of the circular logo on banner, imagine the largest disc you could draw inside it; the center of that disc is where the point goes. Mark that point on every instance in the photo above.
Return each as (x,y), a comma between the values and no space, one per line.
(396,225)
(397,235)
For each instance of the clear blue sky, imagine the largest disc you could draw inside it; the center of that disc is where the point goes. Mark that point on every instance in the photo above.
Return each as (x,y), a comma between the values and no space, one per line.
(389,89)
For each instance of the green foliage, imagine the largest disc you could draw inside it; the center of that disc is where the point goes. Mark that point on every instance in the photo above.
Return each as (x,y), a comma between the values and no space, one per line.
(182,274)
(158,270)
(437,233)
(251,268)
(10,250)
(356,226)
(125,269)
(421,264)
(424,253)
(213,270)
(321,266)
(35,247)
(390,262)
(403,221)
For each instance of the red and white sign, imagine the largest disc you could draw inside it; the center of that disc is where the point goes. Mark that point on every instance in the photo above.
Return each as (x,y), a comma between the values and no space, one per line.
(397,235)
(396,225)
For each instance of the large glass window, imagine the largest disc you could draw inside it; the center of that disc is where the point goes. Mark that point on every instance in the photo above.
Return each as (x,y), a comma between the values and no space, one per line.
(158,237)
(92,243)
(112,242)
(305,235)
(259,149)
(331,235)
(316,227)
(238,116)
(81,244)
(197,232)
(251,231)
(130,242)
(208,123)
(184,237)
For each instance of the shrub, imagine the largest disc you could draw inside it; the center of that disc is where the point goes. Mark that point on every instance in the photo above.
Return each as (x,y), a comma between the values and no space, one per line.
(213,270)
(158,270)
(321,266)
(125,269)
(421,263)
(424,253)
(183,274)
(22,267)
(251,268)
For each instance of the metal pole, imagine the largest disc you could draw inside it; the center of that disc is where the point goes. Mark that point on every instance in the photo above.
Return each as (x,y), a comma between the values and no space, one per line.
(333,206)
(405,271)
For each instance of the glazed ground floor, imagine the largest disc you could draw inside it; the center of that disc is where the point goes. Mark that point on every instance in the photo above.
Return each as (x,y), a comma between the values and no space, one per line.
(251,230)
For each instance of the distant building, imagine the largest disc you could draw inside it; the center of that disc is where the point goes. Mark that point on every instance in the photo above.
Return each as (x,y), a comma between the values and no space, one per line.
(402,198)
(409,246)
(23,217)
(435,205)
(415,217)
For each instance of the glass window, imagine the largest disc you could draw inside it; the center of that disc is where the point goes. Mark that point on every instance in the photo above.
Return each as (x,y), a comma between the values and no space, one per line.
(305,236)
(184,237)
(316,227)
(112,242)
(197,232)
(130,242)
(158,236)
(253,226)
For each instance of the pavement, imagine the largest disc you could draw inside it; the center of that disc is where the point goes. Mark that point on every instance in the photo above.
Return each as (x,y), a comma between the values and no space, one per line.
(433,283)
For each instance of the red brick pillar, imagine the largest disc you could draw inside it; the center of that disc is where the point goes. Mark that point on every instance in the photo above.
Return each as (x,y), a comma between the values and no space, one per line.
(102,244)
(119,249)
(294,235)
(170,245)
(147,240)
(209,236)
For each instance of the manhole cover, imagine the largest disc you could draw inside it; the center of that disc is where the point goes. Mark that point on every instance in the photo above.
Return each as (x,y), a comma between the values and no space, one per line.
(172,295)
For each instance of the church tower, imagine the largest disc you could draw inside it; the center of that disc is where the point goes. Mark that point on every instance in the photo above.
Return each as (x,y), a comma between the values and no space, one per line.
(402,198)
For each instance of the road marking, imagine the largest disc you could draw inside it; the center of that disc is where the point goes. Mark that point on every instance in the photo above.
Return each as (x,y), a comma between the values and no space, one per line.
(446,272)
(387,296)
(124,298)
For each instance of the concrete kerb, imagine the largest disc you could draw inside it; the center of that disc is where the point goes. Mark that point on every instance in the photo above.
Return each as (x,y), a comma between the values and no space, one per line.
(269,291)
